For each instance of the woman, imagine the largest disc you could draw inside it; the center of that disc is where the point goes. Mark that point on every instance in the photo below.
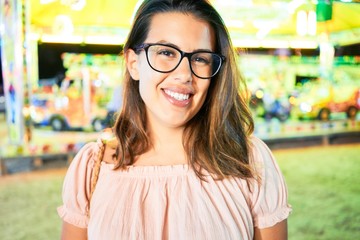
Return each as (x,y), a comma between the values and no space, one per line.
(185,165)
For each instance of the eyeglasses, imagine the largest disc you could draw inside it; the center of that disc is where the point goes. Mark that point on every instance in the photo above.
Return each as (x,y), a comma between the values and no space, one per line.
(164,58)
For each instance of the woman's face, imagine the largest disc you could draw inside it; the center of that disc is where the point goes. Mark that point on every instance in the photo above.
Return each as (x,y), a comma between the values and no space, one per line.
(173,98)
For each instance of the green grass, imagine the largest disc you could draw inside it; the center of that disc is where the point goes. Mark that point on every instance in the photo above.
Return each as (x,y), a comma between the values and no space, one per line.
(28,209)
(324,190)
(323,183)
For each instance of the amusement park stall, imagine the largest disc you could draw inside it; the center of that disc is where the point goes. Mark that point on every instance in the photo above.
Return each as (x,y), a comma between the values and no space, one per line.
(62,68)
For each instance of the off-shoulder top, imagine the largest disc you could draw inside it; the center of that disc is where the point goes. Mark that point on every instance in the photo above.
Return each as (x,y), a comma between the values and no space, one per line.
(171,202)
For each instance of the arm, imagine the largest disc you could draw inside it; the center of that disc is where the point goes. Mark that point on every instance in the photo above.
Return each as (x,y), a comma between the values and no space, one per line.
(71,232)
(75,194)
(270,207)
(276,232)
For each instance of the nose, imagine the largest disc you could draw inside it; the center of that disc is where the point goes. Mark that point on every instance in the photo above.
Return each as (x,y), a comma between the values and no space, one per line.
(183,71)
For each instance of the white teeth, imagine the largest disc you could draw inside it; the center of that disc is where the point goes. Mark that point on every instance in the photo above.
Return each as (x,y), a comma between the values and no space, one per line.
(177,96)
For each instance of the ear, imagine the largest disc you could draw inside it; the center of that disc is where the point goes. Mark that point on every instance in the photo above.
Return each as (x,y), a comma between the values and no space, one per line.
(131,59)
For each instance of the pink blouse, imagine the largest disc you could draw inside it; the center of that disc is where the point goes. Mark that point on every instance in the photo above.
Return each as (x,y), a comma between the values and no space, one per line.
(171,202)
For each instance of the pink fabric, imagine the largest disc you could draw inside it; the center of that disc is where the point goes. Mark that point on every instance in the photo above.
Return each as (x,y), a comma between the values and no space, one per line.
(171,202)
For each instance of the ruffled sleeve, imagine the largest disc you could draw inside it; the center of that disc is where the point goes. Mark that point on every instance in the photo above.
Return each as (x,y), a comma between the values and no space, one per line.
(269,199)
(76,187)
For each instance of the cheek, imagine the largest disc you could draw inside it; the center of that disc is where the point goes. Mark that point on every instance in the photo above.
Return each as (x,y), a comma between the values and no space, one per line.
(144,89)
(145,79)
(148,85)
(203,87)
(202,90)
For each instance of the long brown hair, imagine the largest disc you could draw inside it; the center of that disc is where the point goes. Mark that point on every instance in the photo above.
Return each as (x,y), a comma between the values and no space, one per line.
(216,138)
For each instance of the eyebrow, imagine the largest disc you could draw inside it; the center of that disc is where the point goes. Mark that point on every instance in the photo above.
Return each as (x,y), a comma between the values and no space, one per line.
(176,46)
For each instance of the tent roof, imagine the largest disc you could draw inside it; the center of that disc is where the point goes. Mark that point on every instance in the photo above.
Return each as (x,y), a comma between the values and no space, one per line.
(104,13)
(245,19)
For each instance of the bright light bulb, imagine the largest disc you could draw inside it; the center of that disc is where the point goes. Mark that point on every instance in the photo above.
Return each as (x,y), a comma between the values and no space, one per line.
(301,23)
(311,24)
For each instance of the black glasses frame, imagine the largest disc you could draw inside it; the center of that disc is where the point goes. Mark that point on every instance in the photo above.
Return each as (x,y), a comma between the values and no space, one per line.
(188,55)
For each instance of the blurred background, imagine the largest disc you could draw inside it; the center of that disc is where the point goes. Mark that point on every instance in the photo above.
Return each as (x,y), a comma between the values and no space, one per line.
(61,74)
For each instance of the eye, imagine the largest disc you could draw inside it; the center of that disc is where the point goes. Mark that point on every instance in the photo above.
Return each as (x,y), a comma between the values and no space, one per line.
(166,51)
(202,58)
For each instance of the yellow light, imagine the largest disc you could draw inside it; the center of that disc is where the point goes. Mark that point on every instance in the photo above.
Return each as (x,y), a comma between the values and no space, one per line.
(234,23)
(26,111)
(301,23)
(259,94)
(34,36)
(106,40)
(292,100)
(61,39)
(246,43)
(303,44)
(311,24)
(275,44)
(46,1)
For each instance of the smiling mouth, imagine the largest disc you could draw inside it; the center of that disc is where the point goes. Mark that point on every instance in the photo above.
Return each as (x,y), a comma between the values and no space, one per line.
(177,96)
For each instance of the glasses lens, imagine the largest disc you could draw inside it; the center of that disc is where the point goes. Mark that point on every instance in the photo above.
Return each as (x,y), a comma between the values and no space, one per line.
(163,58)
(205,64)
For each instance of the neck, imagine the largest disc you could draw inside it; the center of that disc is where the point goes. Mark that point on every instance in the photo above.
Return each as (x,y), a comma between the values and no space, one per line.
(167,148)
(161,139)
